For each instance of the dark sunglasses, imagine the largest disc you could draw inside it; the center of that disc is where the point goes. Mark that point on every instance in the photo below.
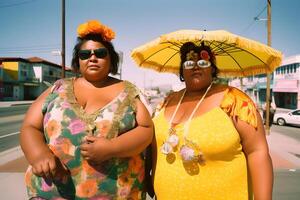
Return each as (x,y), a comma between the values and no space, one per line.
(99,53)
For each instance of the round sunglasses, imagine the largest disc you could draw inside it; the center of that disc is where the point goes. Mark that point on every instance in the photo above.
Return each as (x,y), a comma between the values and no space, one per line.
(190,64)
(99,53)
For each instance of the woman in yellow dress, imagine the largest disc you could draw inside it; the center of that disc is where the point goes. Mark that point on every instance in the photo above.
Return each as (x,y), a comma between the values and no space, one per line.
(210,142)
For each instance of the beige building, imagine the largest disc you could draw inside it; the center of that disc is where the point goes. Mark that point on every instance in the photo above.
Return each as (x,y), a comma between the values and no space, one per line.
(26,79)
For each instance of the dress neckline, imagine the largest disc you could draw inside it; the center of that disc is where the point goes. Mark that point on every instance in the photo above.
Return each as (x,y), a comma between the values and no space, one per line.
(71,98)
(163,111)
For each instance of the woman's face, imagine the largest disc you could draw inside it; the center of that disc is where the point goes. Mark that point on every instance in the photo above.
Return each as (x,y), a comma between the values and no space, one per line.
(197,78)
(94,61)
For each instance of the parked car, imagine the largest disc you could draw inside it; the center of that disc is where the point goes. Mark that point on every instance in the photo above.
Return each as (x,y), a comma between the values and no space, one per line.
(292,117)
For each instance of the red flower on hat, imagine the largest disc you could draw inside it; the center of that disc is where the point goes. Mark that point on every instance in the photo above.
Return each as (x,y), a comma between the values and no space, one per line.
(204,55)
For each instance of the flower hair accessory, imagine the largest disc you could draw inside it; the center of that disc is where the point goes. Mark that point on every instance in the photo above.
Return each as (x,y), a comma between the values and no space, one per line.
(95,27)
(204,55)
(192,55)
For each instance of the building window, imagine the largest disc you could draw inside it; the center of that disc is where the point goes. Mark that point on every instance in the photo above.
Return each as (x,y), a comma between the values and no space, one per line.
(50,73)
(24,73)
(8,90)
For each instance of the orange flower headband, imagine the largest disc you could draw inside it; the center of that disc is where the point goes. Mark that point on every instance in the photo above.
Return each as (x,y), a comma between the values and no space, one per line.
(95,27)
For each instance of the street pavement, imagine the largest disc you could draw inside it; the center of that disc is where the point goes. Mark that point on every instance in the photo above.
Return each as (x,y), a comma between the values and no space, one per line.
(284,150)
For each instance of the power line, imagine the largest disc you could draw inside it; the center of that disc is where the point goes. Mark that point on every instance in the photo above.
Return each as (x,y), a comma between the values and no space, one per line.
(31,51)
(26,51)
(16,4)
(30,47)
(255,18)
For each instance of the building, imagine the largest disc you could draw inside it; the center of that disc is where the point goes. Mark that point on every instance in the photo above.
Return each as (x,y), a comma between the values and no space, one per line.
(287,83)
(25,79)
(254,86)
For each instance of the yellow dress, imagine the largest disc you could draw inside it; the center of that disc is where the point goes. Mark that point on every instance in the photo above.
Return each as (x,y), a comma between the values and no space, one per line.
(224,172)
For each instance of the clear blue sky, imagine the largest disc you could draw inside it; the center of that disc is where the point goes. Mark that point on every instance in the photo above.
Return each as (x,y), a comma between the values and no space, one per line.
(33,27)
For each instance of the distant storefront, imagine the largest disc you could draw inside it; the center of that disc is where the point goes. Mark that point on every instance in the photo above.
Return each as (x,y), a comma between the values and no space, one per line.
(287,83)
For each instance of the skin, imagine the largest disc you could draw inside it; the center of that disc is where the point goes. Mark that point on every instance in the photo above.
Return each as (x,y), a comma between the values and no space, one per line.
(93,90)
(253,140)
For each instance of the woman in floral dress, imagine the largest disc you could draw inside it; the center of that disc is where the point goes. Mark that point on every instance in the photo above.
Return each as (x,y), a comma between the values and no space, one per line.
(84,138)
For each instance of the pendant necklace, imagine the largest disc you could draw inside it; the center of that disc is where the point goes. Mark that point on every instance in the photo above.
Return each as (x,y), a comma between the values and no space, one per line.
(189,151)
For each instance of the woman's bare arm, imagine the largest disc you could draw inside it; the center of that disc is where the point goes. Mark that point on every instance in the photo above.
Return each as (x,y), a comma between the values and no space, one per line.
(259,161)
(37,152)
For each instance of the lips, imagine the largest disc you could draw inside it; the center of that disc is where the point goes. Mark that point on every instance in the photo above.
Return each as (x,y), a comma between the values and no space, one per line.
(197,73)
(94,67)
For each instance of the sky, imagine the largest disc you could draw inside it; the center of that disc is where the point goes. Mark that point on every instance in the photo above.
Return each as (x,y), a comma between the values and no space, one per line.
(33,27)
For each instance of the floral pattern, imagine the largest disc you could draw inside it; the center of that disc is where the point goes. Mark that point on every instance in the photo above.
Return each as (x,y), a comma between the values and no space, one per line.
(239,104)
(65,126)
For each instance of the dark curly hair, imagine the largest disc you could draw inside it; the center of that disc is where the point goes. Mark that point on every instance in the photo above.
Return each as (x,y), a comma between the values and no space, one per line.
(114,56)
(189,46)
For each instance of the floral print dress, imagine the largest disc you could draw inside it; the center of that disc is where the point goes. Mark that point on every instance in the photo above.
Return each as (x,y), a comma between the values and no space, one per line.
(65,125)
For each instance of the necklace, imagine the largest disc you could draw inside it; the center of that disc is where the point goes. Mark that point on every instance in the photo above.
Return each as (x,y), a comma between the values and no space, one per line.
(189,151)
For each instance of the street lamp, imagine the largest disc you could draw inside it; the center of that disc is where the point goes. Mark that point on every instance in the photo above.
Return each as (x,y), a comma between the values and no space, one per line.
(260,19)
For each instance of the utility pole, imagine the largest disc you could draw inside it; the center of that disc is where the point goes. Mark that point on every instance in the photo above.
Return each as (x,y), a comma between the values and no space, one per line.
(268,92)
(63,48)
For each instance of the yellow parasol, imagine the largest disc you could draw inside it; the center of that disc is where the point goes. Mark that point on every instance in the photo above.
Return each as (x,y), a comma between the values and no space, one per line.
(236,56)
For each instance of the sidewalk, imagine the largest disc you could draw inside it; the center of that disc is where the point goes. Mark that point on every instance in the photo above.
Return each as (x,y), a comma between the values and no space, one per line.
(284,151)
(4,104)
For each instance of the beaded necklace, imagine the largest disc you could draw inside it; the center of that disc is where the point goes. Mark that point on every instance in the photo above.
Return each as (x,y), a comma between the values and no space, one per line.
(189,151)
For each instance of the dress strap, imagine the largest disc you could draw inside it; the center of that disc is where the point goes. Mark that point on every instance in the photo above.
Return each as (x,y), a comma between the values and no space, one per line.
(187,124)
(177,107)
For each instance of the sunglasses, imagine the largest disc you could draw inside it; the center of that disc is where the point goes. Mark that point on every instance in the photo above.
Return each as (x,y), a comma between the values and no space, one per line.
(99,53)
(190,64)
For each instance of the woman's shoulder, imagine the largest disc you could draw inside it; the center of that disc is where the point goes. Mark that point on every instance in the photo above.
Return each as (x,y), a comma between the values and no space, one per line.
(169,99)
(129,87)
(237,103)
(60,83)
(128,83)
(233,95)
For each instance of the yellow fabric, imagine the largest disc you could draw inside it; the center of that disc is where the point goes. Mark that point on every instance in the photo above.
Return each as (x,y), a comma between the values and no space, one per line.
(237,103)
(224,174)
(235,55)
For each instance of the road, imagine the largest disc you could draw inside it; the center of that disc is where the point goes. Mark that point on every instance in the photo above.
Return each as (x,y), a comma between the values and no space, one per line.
(11,119)
(288,130)
(285,139)
(13,110)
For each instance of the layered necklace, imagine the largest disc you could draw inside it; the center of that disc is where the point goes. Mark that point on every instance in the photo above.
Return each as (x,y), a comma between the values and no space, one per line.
(189,151)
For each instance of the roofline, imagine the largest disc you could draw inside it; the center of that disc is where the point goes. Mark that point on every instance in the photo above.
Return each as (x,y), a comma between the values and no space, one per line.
(31,60)
(291,60)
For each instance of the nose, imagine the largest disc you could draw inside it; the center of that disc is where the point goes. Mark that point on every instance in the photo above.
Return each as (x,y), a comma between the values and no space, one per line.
(196,67)
(93,56)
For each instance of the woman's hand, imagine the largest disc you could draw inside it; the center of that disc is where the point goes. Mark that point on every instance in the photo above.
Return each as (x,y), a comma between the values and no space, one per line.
(96,149)
(49,166)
